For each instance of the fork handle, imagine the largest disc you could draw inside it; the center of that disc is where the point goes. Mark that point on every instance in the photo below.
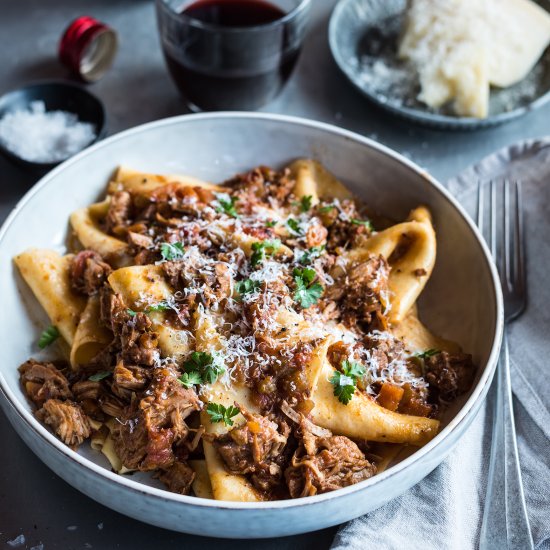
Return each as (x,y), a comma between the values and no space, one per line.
(505,524)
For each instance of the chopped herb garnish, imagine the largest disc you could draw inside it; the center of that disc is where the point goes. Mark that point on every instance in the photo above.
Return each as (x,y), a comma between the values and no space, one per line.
(271,223)
(189,379)
(261,250)
(366,223)
(206,366)
(427,353)
(294,226)
(247,286)
(219,413)
(353,369)
(49,336)
(99,375)
(311,254)
(307,292)
(160,306)
(304,203)
(345,382)
(327,208)
(344,387)
(227,206)
(172,251)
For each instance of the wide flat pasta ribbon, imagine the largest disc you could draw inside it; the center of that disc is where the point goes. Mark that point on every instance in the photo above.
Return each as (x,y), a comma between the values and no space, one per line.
(314,180)
(410,248)
(362,418)
(47,274)
(127,179)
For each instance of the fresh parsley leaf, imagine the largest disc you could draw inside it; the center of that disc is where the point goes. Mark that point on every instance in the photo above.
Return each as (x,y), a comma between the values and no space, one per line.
(303,277)
(219,413)
(99,375)
(227,206)
(261,249)
(343,387)
(345,382)
(366,223)
(213,371)
(160,306)
(427,353)
(271,223)
(327,208)
(172,251)
(353,369)
(49,336)
(294,226)
(247,286)
(307,292)
(189,379)
(305,203)
(311,254)
(208,367)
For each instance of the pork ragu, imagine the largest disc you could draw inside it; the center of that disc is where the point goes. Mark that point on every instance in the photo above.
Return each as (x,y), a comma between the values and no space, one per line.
(241,256)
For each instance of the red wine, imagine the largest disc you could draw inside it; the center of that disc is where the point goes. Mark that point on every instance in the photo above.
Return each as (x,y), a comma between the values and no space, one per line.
(219,66)
(234,13)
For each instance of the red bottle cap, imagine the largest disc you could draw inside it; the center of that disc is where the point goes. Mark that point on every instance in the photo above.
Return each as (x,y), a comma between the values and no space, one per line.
(88,48)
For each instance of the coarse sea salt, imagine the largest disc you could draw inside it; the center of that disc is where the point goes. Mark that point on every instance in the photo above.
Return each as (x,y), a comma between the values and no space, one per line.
(37,135)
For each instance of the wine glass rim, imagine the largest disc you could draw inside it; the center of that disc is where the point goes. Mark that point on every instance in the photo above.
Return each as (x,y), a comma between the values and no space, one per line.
(300,7)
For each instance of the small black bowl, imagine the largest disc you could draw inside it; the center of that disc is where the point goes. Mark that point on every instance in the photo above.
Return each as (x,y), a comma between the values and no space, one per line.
(57,96)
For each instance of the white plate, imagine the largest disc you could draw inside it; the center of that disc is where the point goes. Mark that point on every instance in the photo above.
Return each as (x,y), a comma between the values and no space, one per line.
(462,301)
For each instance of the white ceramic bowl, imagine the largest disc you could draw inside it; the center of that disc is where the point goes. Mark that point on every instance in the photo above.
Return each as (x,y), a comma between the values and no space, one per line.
(462,301)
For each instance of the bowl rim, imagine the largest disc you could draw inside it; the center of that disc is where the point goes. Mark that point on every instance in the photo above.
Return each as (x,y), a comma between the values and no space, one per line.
(101,125)
(426,118)
(468,410)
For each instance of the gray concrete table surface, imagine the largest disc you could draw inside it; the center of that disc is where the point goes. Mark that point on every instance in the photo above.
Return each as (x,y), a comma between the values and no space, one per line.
(34,501)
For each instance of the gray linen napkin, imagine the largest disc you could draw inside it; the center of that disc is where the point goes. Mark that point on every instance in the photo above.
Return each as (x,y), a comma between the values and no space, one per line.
(443,512)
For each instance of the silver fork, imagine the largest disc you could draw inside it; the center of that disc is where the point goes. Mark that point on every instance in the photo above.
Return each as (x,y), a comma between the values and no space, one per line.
(505,524)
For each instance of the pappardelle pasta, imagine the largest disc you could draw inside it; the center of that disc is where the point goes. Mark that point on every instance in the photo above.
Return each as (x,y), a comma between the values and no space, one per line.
(254,340)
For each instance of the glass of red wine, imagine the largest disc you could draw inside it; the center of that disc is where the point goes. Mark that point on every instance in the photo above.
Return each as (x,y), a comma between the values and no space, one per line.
(231,54)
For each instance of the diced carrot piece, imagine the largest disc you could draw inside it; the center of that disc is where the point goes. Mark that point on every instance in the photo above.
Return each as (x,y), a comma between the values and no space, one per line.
(390,396)
(411,404)
(416,407)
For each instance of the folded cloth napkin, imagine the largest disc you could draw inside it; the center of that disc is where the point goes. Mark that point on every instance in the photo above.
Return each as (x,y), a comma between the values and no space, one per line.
(444,510)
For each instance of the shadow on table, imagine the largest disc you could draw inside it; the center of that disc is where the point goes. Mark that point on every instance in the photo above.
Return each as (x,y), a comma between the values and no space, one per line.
(40,68)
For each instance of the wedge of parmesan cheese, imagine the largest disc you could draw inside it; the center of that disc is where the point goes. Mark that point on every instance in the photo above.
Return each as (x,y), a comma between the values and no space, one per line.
(461,47)
(519,34)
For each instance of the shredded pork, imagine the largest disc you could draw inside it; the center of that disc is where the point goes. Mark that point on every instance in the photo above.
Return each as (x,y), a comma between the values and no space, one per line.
(88,272)
(66,419)
(322,464)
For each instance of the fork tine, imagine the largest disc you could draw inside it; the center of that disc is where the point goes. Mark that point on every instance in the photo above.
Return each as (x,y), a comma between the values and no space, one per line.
(519,240)
(492,221)
(480,205)
(500,220)
(509,244)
